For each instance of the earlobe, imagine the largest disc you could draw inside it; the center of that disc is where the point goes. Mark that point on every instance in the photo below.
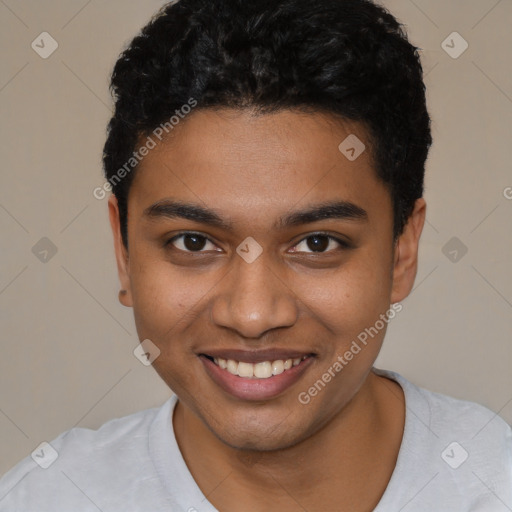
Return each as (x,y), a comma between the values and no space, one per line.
(125,295)
(406,253)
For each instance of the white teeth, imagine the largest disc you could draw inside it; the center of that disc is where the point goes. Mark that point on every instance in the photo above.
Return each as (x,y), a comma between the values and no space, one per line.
(245,369)
(262,370)
(232,367)
(277,367)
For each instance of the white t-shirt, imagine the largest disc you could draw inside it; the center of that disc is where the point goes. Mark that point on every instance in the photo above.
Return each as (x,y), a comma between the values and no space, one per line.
(454,456)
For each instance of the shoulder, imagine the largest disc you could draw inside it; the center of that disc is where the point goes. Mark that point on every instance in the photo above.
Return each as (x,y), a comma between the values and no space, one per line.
(112,436)
(95,458)
(462,449)
(467,420)
(445,414)
(474,429)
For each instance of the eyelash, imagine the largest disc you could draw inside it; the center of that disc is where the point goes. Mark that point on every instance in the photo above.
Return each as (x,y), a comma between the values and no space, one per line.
(342,243)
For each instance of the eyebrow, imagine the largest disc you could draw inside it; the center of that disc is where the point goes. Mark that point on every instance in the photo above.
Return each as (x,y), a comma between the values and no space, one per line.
(341,210)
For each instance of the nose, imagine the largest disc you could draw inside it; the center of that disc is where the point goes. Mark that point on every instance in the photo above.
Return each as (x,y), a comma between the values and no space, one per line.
(252,299)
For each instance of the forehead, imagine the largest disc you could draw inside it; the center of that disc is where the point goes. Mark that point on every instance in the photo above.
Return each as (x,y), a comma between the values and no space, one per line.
(238,162)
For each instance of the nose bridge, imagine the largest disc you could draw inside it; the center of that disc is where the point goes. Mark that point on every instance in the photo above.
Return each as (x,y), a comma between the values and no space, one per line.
(252,299)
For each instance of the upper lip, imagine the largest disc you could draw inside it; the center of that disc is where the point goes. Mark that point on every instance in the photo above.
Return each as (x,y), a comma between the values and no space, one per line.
(256,356)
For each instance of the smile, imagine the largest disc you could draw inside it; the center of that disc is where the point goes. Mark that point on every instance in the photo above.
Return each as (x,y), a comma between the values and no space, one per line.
(266,377)
(261,370)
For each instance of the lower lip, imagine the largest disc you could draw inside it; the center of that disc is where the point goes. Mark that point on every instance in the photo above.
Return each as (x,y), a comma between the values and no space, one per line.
(255,389)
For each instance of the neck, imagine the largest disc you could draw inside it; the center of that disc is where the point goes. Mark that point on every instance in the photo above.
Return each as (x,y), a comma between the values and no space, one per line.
(336,462)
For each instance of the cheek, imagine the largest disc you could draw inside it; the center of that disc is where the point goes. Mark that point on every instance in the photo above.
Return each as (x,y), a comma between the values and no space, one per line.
(351,298)
(161,295)
(166,303)
(169,301)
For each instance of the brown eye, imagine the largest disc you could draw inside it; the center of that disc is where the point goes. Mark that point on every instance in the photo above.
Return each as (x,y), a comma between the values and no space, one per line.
(319,243)
(194,242)
(190,242)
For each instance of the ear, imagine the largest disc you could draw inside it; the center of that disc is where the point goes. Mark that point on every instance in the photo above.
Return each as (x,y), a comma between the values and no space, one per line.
(123,269)
(406,253)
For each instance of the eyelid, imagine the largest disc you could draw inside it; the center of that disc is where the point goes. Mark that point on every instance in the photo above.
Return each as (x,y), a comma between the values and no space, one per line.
(344,244)
(169,241)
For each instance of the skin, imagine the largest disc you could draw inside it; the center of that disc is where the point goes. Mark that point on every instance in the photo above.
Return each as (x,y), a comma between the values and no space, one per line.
(337,452)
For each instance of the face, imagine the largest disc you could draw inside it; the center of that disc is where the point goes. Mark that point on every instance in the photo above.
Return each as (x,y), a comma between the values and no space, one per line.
(256,244)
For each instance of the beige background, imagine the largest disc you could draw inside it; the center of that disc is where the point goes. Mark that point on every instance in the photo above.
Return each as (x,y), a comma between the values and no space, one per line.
(67,343)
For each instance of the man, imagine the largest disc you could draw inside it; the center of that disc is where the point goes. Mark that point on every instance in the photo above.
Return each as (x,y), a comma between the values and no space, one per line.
(267,163)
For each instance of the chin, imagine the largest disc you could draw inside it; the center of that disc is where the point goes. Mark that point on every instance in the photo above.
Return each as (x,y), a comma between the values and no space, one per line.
(257,444)
(262,437)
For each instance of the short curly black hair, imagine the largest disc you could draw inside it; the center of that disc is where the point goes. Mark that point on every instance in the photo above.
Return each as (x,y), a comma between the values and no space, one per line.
(350,58)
